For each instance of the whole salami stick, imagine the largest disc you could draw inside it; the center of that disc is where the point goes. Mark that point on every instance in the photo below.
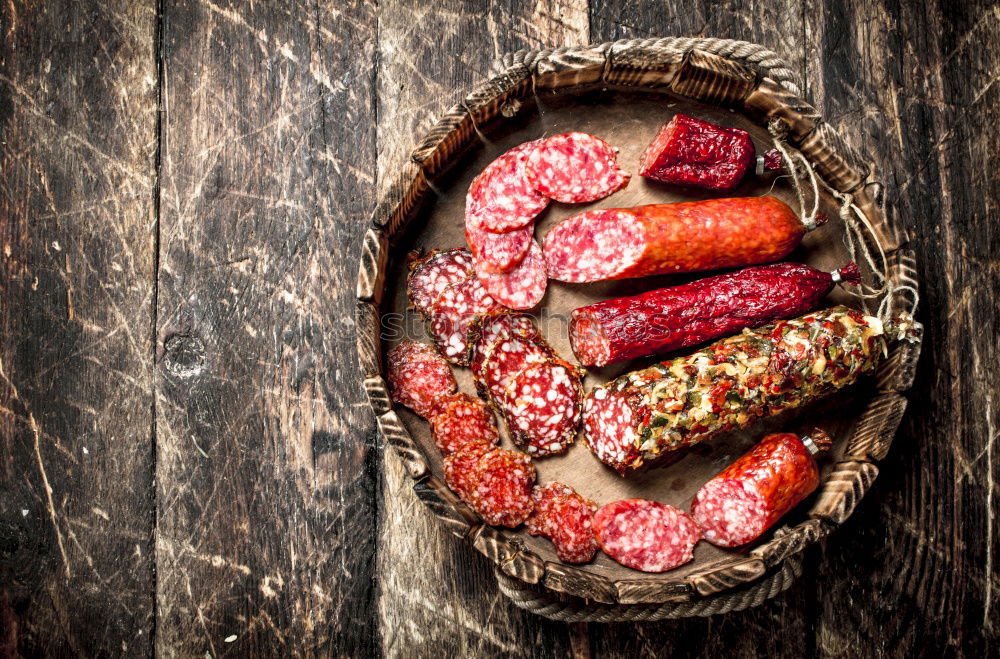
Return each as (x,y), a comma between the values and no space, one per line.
(670,318)
(729,384)
(620,243)
(750,495)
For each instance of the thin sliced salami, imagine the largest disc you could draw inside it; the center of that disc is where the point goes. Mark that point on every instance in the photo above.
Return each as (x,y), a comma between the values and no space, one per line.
(500,199)
(418,376)
(575,168)
(463,420)
(521,288)
(502,492)
(435,272)
(460,468)
(565,518)
(609,423)
(487,330)
(510,356)
(452,314)
(646,535)
(542,408)
(499,252)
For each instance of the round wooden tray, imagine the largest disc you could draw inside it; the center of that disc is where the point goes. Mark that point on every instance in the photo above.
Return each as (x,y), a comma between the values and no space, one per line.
(623,92)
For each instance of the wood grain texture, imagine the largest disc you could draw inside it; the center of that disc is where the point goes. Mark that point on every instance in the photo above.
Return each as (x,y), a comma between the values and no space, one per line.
(266,481)
(430,56)
(78,100)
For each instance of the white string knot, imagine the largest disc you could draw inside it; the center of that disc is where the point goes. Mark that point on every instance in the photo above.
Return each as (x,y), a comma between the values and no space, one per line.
(798,168)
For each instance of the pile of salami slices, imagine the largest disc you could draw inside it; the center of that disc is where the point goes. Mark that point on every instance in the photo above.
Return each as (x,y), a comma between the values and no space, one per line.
(472,301)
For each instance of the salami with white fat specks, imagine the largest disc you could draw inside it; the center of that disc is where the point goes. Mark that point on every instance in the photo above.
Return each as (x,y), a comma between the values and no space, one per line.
(460,468)
(542,408)
(565,518)
(433,273)
(452,314)
(418,377)
(521,288)
(575,168)
(497,253)
(500,199)
(585,247)
(509,357)
(502,491)
(462,420)
(646,535)
(608,427)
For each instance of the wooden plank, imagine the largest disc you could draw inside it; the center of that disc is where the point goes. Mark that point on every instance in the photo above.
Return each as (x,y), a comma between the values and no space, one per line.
(437,595)
(78,104)
(266,479)
(779,26)
(915,86)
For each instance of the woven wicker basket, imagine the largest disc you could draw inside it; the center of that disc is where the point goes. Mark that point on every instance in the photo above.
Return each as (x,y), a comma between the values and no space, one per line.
(732,76)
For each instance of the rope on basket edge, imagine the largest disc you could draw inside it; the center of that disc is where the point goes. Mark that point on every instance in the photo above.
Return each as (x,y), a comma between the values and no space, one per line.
(574,609)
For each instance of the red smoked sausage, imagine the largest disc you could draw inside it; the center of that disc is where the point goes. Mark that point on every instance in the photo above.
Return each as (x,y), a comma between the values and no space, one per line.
(750,495)
(690,236)
(670,318)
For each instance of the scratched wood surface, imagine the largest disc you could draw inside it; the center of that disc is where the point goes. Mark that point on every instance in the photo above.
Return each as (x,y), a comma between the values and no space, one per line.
(188,465)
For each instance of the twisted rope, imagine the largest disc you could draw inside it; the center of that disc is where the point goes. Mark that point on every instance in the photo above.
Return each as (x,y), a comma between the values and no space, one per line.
(573,609)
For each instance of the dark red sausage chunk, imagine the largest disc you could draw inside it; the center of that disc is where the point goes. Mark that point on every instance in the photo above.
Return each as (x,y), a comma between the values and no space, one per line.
(646,535)
(750,495)
(670,318)
(697,153)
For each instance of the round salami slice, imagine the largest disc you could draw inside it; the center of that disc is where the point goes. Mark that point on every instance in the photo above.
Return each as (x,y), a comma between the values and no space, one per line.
(460,468)
(646,535)
(418,376)
(435,272)
(464,420)
(542,408)
(499,252)
(510,356)
(502,491)
(566,518)
(487,331)
(574,168)
(521,288)
(452,314)
(593,246)
(730,513)
(500,199)
(609,427)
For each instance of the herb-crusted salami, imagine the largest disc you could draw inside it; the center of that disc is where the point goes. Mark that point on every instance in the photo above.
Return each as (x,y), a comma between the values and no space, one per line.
(575,168)
(463,420)
(418,376)
(750,495)
(542,408)
(565,518)
(689,236)
(502,491)
(452,314)
(500,199)
(733,382)
(646,535)
(497,253)
(521,288)
(433,273)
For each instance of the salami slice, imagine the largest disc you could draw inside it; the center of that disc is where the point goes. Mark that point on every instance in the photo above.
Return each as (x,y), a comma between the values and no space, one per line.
(500,199)
(609,423)
(587,246)
(496,253)
(460,468)
(510,356)
(418,376)
(487,330)
(521,288)
(646,535)
(464,420)
(502,492)
(565,518)
(574,168)
(542,408)
(452,314)
(435,272)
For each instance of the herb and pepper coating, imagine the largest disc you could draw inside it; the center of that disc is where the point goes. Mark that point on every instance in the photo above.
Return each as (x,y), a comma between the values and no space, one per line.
(729,384)
(670,318)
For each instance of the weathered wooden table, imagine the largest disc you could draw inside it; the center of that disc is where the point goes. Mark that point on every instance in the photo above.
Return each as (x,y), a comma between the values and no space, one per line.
(188,463)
